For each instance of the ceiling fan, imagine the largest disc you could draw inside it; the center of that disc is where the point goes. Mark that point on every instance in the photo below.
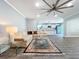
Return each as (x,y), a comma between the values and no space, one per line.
(56,6)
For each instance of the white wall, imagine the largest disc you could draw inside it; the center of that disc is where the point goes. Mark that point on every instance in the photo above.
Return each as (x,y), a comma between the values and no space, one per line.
(72,26)
(9,16)
(30,24)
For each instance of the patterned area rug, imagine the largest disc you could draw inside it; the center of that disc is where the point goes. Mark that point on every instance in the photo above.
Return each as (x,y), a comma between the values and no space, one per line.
(51,50)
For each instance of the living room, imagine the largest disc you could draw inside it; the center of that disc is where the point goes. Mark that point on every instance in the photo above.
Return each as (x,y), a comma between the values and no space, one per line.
(27,31)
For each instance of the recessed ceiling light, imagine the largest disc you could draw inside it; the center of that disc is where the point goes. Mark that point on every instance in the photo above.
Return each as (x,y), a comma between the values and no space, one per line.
(37,4)
(38,15)
(69,4)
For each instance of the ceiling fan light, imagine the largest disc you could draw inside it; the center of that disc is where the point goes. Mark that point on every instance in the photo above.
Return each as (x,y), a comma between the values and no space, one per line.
(38,15)
(37,4)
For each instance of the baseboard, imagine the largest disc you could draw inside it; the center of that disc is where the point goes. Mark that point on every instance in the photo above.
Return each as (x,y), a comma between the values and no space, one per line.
(71,36)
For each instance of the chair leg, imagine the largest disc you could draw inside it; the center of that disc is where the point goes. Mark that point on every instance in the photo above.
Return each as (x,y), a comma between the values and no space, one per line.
(16,50)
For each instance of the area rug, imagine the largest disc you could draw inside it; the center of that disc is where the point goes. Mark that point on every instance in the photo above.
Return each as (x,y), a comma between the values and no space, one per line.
(51,50)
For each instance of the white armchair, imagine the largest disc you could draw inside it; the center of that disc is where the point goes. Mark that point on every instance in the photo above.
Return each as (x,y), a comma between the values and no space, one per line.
(21,39)
(28,38)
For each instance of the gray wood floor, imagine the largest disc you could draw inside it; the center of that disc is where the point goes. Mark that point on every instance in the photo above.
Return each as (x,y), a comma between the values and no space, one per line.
(69,46)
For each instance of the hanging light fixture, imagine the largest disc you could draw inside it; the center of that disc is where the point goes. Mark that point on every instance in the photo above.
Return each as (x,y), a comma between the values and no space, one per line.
(56,7)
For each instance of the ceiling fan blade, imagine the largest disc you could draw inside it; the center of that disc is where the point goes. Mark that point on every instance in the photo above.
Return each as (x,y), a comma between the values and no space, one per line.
(59,11)
(47,3)
(64,3)
(49,13)
(66,7)
(57,2)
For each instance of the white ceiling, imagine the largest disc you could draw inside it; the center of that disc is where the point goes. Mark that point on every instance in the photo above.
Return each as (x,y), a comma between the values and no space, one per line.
(29,10)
